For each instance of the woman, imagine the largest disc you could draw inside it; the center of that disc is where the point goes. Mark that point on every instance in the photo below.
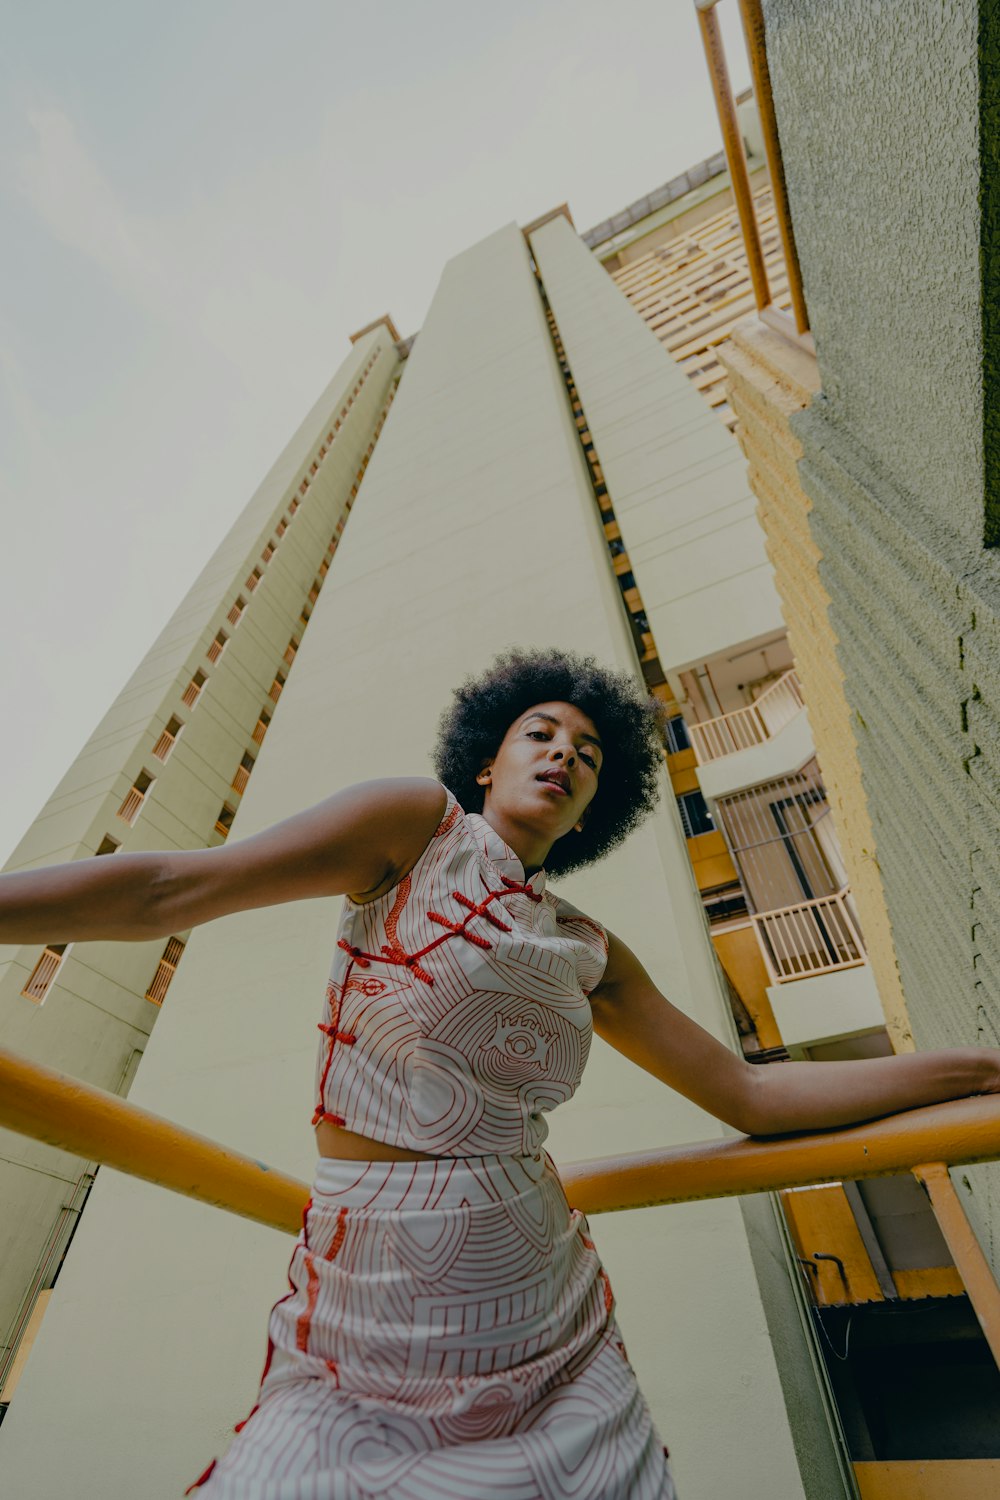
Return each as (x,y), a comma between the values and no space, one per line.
(449,1329)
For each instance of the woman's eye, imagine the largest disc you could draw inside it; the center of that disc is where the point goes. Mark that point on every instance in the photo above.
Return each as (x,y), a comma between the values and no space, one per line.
(591,762)
(537,734)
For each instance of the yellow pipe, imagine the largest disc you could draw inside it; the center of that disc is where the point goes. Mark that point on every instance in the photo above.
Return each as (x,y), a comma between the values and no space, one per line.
(732,140)
(95,1125)
(752,15)
(973,1267)
(74,1116)
(958,1131)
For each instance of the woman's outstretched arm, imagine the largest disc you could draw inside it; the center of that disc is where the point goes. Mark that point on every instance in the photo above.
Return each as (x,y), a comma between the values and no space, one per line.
(634,1017)
(358,841)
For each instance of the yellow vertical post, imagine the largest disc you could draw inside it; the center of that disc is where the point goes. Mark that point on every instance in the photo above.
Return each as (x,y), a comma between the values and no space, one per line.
(973,1267)
(752,16)
(732,140)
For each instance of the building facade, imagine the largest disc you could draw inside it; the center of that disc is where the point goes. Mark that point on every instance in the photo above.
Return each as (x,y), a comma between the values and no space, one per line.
(553,470)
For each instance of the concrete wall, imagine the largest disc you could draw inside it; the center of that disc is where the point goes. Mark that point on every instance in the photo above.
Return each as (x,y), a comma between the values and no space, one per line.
(474,530)
(94,1020)
(676,476)
(878,116)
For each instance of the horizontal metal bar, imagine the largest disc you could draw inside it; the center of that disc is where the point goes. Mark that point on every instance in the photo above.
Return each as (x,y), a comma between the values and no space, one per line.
(74,1116)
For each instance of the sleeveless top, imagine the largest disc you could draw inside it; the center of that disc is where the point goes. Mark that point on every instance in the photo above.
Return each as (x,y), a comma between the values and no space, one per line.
(456,1011)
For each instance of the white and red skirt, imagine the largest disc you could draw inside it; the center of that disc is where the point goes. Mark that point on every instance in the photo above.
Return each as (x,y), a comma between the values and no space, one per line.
(450,1333)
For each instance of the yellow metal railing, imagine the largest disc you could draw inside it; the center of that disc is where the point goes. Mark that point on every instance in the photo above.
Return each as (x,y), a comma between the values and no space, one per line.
(752,16)
(100,1127)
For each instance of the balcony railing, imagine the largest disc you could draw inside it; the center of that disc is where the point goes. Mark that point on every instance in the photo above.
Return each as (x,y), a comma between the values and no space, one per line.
(101,1127)
(811,937)
(745,727)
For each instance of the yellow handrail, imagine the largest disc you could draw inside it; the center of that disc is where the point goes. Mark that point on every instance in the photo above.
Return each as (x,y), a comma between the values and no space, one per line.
(97,1126)
(74,1116)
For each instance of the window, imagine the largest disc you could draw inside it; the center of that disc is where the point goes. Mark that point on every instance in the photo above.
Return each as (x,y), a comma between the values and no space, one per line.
(129,810)
(304,617)
(108,845)
(217,647)
(324,568)
(290,650)
(45,971)
(695,815)
(224,821)
(253,580)
(168,739)
(281,528)
(724,902)
(193,690)
(237,610)
(260,728)
(268,551)
(243,772)
(165,971)
(293,506)
(276,686)
(303,487)
(314,591)
(676,735)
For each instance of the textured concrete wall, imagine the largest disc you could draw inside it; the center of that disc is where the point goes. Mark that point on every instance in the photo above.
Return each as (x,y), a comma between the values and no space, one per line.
(768,382)
(878,115)
(95,1019)
(474,530)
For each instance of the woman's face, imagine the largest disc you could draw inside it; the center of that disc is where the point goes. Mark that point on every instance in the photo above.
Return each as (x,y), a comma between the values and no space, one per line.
(546,770)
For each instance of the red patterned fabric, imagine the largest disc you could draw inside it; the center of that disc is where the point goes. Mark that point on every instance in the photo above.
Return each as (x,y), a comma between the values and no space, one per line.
(450,1330)
(457,1010)
(450,1333)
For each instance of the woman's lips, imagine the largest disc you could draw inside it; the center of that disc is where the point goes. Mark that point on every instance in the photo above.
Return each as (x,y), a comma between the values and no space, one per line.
(557,785)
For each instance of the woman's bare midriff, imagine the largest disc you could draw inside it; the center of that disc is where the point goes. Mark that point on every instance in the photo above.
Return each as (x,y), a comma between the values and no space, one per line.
(347,1145)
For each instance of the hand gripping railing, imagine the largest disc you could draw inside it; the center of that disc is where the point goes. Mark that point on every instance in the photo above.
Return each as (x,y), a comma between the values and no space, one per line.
(97,1126)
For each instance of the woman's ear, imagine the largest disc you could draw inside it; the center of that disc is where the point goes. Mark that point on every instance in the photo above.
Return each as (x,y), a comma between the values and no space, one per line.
(579,826)
(485,776)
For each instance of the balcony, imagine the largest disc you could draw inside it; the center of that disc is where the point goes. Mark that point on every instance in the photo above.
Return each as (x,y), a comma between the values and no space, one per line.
(811,937)
(753,725)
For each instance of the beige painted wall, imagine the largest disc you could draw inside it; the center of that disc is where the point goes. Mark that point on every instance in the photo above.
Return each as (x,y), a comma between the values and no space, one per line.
(474,530)
(676,476)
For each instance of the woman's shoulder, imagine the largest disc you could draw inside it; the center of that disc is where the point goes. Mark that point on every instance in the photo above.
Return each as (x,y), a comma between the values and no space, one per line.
(430,812)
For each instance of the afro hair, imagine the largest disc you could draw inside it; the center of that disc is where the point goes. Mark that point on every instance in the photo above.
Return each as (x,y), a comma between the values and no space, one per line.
(629,723)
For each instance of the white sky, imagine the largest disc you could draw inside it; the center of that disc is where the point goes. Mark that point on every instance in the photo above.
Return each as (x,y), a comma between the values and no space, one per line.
(200,202)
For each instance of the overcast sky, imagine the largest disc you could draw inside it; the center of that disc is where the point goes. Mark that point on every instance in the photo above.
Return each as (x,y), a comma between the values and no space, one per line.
(200,202)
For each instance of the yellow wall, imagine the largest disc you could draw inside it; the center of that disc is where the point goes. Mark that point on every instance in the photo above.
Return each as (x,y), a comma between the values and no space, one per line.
(769,380)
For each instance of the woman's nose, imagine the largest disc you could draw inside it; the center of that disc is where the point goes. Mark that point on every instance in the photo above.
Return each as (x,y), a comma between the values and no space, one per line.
(560,752)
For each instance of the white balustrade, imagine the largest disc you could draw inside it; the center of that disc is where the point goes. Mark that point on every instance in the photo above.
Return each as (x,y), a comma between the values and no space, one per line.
(752,725)
(812,937)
